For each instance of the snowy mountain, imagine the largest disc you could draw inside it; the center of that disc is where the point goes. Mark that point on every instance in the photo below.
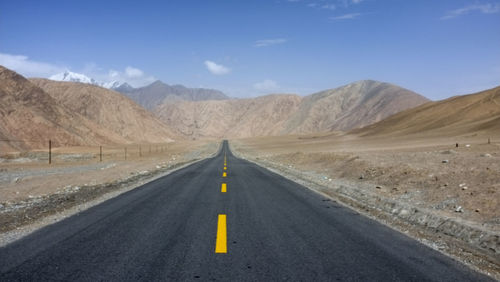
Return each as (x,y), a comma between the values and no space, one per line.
(73,77)
(78,77)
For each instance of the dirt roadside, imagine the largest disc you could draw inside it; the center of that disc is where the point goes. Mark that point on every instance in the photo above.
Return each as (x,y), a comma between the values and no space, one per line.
(34,196)
(446,197)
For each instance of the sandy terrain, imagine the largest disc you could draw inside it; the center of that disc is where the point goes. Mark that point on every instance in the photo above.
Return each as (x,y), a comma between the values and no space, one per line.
(31,175)
(395,178)
(31,189)
(442,177)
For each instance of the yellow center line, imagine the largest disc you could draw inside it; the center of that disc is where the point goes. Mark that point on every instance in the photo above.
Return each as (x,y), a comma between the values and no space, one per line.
(224,174)
(225,168)
(223,188)
(221,241)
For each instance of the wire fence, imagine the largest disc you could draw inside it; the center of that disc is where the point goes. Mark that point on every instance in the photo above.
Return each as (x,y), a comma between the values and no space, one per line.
(21,151)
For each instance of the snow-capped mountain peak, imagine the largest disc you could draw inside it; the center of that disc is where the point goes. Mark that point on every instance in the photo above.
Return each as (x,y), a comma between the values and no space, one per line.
(112,84)
(78,77)
(73,77)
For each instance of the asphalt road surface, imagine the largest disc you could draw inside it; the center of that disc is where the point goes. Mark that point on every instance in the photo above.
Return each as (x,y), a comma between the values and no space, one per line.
(259,226)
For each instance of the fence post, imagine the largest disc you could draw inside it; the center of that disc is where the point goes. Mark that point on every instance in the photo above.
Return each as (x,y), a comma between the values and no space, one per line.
(489,141)
(50,151)
(100,153)
(125,153)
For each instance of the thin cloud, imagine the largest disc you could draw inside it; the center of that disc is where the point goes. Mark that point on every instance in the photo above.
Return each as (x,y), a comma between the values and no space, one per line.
(130,75)
(269,42)
(350,16)
(29,68)
(216,69)
(329,7)
(482,8)
(266,85)
(133,72)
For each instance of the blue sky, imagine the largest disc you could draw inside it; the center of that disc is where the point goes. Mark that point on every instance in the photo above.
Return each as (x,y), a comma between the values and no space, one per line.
(437,48)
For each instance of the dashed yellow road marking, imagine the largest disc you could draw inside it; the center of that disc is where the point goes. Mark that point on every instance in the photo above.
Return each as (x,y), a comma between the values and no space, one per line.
(225,168)
(221,241)
(224,174)
(223,188)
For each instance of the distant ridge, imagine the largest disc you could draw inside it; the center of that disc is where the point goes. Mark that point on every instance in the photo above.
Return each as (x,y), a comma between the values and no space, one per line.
(69,76)
(157,93)
(351,106)
(344,108)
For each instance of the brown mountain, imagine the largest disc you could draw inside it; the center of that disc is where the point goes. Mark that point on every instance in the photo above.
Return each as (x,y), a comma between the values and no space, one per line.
(229,118)
(351,106)
(109,109)
(30,117)
(467,114)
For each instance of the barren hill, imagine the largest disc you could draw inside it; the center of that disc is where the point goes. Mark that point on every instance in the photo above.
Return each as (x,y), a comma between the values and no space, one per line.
(158,92)
(344,108)
(30,117)
(109,109)
(351,106)
(467,114)
(230,118)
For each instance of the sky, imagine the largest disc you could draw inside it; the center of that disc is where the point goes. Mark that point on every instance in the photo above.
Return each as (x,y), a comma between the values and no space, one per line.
(437,48)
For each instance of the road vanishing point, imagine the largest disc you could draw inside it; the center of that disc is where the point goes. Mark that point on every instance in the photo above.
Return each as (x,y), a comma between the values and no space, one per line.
(223,219)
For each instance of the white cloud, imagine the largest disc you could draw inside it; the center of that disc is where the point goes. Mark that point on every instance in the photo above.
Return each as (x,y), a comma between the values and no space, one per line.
(29,68)
(113,73)
(266,85)
(329,7)
(482,8)
(346,16)
(216,68)
(130,75)
(269,42)
(133,72)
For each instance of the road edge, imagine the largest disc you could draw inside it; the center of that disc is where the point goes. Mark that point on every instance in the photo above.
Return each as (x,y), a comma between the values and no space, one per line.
(123,186)
(447,244)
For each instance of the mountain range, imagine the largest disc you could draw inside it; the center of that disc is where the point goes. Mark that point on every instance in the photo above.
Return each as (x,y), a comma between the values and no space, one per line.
(150,95)
(70,114)
(344,108)
(157,93)
(69,76)
(74,113)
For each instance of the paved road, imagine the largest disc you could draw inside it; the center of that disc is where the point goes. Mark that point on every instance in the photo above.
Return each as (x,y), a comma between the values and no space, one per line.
(171,228)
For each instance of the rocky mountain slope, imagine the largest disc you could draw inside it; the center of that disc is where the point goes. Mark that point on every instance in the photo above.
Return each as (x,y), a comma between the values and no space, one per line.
(467,114)
(157,93)
(30,117)
(351,106)
(109,109)
(229,118)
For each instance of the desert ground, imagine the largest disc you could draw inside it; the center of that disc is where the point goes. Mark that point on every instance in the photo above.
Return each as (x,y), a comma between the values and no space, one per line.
(419,180)
(31,188)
